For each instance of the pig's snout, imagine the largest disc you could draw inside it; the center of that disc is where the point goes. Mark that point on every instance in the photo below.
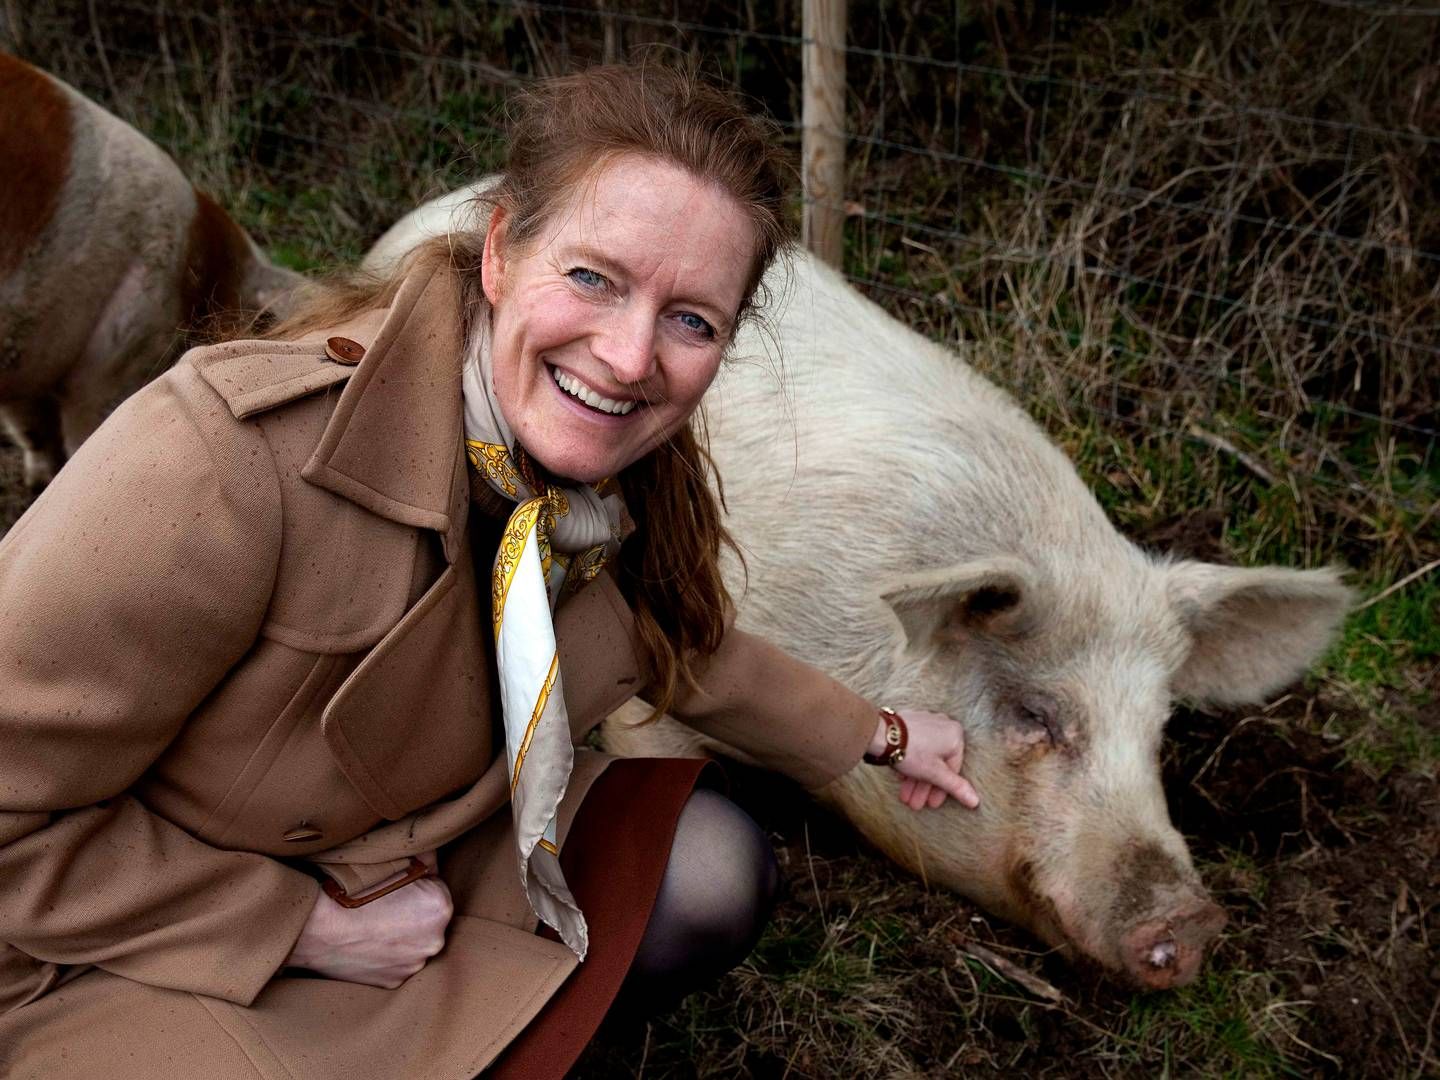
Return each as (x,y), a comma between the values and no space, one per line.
(1167,952)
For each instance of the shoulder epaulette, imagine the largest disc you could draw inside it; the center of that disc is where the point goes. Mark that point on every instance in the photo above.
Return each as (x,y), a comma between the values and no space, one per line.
(253,376)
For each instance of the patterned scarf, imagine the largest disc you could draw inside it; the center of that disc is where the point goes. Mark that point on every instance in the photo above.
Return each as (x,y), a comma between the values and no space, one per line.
(555,541)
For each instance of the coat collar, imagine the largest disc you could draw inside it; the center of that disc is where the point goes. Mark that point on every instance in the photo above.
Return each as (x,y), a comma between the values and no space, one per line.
(394,443)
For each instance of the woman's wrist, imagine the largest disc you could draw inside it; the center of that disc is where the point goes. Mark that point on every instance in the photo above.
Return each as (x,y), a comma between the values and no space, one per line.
(876,746)
(891,738)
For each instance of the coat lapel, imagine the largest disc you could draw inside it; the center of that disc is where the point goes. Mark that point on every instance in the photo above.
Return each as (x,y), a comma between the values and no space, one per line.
(393,444)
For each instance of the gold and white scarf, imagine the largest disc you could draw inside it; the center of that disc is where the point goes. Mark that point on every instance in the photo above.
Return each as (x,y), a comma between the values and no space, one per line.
(556,540)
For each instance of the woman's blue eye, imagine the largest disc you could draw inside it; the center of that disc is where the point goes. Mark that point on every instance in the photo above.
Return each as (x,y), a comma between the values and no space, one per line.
(691,321)
(591,279)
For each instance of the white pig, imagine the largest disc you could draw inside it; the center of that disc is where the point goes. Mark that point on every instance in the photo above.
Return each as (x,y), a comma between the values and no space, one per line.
(107,254)
(908,529)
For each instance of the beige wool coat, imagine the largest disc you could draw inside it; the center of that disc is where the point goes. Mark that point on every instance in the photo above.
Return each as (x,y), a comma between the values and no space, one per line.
(248,624)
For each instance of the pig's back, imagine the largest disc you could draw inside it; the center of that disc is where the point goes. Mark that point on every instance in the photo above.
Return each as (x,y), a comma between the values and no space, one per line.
(107,248)
(852,449)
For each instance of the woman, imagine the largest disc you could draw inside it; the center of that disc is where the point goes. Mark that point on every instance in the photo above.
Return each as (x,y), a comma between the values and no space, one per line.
(274,622)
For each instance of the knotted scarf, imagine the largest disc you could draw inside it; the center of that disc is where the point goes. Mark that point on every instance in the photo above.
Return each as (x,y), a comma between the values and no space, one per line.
(557,539)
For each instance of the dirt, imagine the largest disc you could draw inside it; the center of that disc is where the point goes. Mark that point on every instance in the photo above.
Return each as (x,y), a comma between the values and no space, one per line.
(1344,898)
(1194,535)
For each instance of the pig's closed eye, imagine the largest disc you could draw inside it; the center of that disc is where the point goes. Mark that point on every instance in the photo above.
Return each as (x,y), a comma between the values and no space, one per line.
(1041,719)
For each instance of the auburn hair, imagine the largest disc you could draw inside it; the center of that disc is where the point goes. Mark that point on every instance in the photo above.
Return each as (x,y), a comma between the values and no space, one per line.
(562,131)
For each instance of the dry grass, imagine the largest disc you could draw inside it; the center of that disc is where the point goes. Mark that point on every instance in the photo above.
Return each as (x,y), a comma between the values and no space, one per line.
(1201,241)
(1154,237)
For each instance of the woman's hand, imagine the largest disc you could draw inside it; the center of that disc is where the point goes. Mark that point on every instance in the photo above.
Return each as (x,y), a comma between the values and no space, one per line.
(381,943)
(930,770)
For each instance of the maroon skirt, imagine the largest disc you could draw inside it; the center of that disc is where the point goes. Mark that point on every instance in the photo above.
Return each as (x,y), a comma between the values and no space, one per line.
(613,859)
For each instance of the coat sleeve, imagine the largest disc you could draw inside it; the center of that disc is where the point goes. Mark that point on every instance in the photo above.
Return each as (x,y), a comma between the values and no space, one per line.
(785,714)
(127,592)
(788,716)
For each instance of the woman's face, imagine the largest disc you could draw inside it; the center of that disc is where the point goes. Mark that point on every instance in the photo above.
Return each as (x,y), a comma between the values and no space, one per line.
(610,324)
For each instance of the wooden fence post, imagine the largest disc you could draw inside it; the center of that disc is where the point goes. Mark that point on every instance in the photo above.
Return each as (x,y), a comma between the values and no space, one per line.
(823,140)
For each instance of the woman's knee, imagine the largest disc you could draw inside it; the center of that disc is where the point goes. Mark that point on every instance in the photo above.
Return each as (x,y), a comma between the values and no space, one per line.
(716,896)
(731,875)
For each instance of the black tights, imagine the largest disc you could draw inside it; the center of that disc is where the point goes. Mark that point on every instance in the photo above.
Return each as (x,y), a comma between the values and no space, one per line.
(714,901)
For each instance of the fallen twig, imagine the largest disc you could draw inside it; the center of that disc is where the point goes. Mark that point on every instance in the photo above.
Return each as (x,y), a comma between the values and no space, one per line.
(1008,969)
(1406,580)
(1225,446)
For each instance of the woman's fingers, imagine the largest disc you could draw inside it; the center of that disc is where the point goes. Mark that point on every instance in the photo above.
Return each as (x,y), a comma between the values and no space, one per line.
(946,776)
(965,792)
(931,768)
(381,943)
(917,794)
(914,793)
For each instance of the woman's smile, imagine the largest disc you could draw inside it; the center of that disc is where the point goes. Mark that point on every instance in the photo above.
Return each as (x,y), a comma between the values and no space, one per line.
(588,398)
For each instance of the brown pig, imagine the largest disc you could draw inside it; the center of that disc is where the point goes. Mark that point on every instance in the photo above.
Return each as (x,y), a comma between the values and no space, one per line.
(107,254)
(907,528)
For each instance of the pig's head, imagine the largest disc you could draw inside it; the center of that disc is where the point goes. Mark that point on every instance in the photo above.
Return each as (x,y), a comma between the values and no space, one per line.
(1066,678)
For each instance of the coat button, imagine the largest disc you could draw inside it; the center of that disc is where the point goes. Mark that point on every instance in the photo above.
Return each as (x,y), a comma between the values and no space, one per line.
(302,834)
(344,351)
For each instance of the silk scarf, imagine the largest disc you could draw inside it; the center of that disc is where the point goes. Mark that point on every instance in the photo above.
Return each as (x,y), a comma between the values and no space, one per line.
(556,539)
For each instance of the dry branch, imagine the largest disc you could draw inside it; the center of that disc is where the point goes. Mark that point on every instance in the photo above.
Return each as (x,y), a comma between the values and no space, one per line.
(1008,969)
(1225,446)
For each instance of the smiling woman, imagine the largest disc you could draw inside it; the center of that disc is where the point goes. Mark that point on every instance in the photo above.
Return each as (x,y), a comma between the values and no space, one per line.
(609,327)
(301,648)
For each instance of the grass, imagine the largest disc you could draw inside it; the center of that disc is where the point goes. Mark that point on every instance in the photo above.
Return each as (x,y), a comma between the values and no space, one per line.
(1187,319)
(1234,1023)
(860,991)
(1384,645)
(1386,661)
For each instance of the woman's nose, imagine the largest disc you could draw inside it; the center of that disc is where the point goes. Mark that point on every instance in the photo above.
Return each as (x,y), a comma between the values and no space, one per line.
(626,345)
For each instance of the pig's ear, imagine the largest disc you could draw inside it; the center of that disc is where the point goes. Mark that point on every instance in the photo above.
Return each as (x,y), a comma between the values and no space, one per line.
(1252,631)
(994,595)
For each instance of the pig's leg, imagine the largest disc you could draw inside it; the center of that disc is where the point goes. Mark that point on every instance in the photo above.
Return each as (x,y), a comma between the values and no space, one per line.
(34,424)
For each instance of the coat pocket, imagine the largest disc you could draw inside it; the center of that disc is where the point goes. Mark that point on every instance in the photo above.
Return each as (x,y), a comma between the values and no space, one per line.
(291,782)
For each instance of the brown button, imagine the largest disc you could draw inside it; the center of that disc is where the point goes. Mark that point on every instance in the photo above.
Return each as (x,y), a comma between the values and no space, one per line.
(302,834)
(344,351)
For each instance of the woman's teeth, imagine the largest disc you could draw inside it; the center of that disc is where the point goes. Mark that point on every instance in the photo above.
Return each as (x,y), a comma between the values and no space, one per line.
(576,389)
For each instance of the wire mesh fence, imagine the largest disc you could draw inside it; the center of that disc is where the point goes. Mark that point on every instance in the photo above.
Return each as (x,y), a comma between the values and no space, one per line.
(1212,228)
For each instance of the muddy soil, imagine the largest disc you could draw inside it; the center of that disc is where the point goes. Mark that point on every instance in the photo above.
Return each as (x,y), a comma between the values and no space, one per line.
(1343,901)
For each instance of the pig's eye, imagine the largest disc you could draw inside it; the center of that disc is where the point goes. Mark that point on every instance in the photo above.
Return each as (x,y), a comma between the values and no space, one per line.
(1041,719)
